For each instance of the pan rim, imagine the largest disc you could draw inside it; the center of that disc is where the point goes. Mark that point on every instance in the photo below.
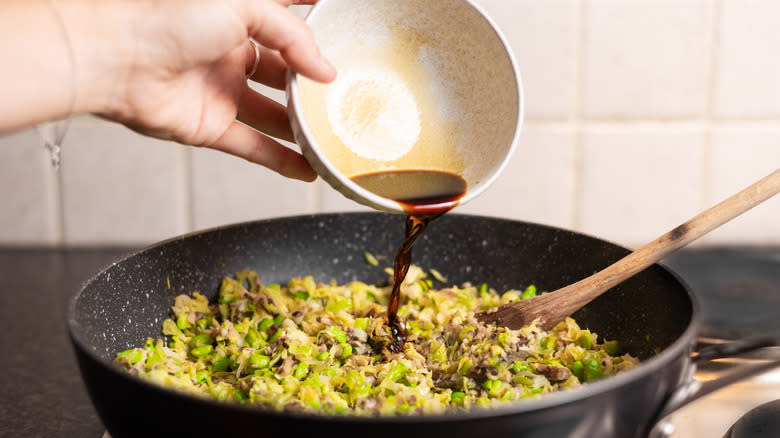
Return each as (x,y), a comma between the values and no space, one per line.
(681,346)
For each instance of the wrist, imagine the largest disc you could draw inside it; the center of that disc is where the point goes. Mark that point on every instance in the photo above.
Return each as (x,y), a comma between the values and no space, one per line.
(101,48)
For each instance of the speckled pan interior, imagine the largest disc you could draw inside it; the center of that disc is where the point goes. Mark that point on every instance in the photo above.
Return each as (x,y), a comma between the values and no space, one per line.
(128,301)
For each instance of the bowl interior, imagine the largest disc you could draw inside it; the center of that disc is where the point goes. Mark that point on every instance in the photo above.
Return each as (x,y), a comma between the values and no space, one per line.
(422,86)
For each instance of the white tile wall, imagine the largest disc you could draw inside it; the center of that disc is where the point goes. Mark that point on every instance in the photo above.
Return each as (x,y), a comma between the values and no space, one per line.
(639,113)
(120,187)
(544,41)
(640,181)
(538,183)
(227,189)
(741,155)
(28,192)
(646,58)
(748,72)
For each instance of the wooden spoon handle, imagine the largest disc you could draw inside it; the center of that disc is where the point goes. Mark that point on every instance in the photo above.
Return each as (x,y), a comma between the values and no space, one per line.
(678,237)
(553,307)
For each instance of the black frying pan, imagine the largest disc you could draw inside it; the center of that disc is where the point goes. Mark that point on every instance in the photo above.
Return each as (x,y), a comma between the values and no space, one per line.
(653,315)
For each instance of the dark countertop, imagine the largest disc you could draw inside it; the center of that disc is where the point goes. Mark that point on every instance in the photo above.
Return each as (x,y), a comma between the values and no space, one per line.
(43,395)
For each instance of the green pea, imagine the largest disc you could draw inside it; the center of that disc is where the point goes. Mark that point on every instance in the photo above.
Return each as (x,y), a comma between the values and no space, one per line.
(584,340)
(221,364)
(346,351)
(490,384)
(493,387)
(302,295)
(519,367)
(259,360)
(529,292)
(253,339)
(133,355)
(241,396)
(322,356)
(301,370)
(201,376)
(578,369)
(201,339)
(202,350)
(458,397)
(592,370)
(337,334)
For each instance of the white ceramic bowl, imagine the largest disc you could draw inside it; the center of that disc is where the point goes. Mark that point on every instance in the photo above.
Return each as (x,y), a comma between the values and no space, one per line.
(422,85)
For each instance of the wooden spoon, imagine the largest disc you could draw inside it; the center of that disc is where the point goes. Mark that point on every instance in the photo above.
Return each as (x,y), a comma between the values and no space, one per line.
(552,308)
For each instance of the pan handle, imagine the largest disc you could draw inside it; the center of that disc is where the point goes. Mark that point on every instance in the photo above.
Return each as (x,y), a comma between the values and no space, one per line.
(764,358)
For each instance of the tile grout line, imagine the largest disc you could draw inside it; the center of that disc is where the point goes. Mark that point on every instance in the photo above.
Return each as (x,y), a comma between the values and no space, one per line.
(576,115)
(57,192)
(709,118)
(712,75)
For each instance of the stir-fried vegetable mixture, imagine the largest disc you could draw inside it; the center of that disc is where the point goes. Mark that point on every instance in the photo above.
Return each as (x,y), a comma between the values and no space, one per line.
(323,348)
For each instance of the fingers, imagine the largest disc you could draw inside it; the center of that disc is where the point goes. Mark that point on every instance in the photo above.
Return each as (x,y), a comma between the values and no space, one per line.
(271,68)
(264,114)
(242,141)
(273,26)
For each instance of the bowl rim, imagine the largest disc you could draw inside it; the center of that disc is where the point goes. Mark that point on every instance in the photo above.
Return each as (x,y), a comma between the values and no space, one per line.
(350,189)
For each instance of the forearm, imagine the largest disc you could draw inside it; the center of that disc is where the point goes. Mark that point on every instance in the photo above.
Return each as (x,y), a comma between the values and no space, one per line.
(60,58)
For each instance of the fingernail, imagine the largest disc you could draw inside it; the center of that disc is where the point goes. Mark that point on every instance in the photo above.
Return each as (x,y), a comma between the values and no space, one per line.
(328,68)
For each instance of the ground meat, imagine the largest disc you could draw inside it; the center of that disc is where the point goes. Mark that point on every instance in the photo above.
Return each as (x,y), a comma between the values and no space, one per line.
(323,348)
(553,373)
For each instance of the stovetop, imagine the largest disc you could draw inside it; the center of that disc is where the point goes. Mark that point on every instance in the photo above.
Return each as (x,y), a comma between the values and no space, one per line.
(739,293)
(43,394)
(739,289)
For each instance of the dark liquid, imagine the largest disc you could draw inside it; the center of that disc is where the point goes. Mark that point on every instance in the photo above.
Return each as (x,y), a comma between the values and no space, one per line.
(424,195)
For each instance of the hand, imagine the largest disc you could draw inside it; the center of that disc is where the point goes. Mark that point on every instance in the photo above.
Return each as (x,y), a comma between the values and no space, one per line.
(185,79)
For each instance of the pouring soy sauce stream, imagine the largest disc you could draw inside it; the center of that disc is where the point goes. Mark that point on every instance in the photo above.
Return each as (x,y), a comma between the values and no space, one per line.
(424,196)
